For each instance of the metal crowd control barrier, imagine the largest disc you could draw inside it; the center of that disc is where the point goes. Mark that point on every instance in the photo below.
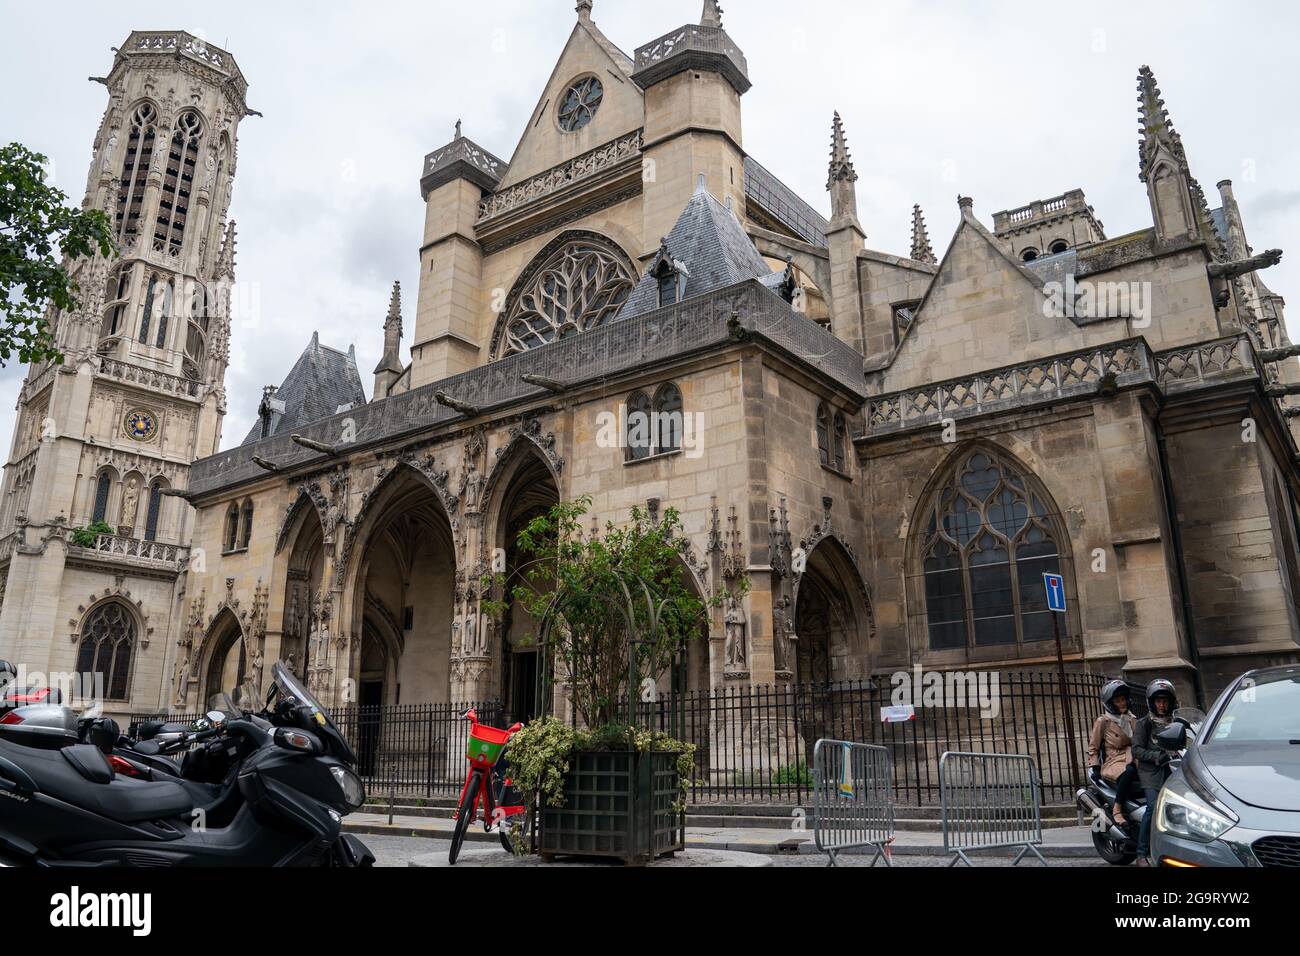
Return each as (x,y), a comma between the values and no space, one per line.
(853,802)
(990,801)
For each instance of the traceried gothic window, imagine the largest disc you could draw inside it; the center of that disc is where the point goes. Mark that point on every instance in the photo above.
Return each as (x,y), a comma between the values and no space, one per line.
(156,299)
(135,170)
(246,518)
(174,203)
(639,440)
(198,309)
(579,103)
(578,287)
(989,537)
(107,641)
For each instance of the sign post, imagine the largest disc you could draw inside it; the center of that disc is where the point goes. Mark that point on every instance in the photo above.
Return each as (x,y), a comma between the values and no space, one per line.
(1055,587)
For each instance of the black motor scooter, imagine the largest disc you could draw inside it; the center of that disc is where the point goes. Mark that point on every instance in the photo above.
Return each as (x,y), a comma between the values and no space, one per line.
(285,786)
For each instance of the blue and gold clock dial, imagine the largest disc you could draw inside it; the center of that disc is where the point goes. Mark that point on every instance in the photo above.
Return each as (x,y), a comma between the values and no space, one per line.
(140,424)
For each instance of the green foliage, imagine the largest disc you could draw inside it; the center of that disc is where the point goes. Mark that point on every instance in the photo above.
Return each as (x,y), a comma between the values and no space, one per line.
(34,219)
(540,753)
(85,537)
(793,774)
(611,611)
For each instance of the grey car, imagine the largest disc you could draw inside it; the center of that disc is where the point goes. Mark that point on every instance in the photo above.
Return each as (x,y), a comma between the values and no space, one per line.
(1234,799)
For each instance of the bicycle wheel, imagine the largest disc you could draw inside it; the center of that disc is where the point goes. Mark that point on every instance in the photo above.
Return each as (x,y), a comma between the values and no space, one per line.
(525,821)
(463,814)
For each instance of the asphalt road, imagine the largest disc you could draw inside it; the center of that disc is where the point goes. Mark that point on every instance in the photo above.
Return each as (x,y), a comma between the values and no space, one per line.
(398,851)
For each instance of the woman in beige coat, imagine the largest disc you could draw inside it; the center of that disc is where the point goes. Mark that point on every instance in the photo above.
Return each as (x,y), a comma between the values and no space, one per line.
(1110,745)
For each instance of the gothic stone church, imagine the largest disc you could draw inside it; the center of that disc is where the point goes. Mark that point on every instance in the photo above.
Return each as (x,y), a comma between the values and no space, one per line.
(890,447)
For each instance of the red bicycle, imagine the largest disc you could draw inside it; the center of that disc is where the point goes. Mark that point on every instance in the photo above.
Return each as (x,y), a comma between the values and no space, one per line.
(487,782)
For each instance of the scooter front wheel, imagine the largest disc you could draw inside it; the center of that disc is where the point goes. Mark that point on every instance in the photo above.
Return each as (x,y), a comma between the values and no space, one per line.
(463,814)
(1112,852)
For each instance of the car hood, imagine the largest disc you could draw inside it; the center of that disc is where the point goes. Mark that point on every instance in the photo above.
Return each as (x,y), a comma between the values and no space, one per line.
(1265,775)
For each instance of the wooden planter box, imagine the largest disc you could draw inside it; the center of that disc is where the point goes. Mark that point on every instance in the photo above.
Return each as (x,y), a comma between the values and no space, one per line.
(618,805)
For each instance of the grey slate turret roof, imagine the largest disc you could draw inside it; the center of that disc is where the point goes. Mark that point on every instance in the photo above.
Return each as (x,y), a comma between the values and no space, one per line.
(321,383)
(711,243)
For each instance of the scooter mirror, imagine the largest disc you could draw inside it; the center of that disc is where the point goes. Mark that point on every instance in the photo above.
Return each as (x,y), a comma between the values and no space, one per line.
(1173,737)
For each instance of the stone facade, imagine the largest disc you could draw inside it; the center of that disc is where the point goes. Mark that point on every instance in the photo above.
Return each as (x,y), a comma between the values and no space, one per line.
(890,448)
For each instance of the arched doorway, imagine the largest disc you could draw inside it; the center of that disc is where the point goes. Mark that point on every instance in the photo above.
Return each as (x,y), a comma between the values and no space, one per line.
(226,663)
(302,588)
(405,590)
(831,618)
(529,491)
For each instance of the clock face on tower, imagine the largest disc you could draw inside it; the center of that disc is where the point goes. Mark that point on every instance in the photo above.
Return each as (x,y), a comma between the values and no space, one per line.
(140,424)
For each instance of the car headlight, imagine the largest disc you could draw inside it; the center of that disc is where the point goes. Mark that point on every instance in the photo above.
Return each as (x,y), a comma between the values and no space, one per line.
(354,794)
(1182,813)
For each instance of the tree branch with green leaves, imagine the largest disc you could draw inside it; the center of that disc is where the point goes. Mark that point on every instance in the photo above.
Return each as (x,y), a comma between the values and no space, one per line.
(40,233)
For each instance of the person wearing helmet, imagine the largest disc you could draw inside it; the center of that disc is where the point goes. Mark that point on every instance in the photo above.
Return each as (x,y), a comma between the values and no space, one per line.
(1152,762)
(1110,745)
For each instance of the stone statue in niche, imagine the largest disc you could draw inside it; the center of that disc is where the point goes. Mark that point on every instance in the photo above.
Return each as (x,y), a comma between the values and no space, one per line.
(106,154)
(734,623)
(782,636)
(130,506)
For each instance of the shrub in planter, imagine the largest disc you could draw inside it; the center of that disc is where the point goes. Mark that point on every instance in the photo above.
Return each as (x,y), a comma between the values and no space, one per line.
(85,537)
(612,614)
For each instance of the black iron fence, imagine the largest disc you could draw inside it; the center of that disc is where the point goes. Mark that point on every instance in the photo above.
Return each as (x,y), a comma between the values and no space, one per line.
(416,749)
(755,744)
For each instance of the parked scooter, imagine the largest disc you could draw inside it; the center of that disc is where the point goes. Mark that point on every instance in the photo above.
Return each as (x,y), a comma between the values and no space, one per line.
(286,782)
(1116,843)
(12,696)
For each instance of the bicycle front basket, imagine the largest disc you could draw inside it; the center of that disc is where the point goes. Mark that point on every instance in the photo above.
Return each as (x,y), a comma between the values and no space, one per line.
(485,744)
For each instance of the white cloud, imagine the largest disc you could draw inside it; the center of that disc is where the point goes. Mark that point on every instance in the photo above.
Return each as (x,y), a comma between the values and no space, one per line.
(1007,102)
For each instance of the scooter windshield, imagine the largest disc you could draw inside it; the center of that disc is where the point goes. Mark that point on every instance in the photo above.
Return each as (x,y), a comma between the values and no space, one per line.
(288,685)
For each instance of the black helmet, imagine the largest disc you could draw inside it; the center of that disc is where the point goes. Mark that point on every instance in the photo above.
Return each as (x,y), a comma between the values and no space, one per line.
(1109,692)
(1161,686)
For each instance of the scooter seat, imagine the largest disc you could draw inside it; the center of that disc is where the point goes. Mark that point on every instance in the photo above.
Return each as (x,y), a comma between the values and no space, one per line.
(120,798)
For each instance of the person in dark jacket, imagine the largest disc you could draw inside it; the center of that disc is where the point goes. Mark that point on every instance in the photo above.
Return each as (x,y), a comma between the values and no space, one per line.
(1152,762)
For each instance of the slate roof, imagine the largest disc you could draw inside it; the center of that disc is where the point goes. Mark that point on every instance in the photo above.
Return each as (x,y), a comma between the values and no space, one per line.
(711,243)
(321,382)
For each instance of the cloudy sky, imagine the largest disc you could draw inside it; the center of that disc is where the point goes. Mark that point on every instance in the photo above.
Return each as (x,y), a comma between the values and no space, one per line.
(1003,101)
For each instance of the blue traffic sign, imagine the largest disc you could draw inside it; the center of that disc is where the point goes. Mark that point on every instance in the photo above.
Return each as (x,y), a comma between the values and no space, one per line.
(1055,592)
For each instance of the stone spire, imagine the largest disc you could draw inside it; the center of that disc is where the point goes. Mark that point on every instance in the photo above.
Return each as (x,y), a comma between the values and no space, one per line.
(1162,166)
(712,15)
(921,250)
(225,267)
(584,9)
(841,167)
(1158,133)
(390,368)
(840,180)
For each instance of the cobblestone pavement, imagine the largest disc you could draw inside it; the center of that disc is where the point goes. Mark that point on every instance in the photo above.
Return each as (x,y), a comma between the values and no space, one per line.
(399,851)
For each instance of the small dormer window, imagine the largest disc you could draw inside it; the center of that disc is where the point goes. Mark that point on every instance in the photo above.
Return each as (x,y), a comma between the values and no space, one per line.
(1059,246)
(670,276)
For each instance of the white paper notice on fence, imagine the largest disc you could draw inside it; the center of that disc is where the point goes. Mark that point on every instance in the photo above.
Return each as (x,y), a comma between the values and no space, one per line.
(897,713)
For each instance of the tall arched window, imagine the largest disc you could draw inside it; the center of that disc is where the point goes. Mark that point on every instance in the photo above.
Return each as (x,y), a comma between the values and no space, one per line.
(638,439)
(135,170)
(155,298)
(107,640)
(174,203)
(246,516)
(103,488)
(119,288)
(989,535)
(823,434)
(839,438)
(232,527)
(668,418)
(570,287)
(198,309)
(155,510)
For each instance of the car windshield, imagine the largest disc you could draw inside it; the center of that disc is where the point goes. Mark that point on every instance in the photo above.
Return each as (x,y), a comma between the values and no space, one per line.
(1263,709)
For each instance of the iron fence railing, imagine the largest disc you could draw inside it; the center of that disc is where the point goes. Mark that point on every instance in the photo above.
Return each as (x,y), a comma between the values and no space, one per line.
(412,748)
(755,744)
